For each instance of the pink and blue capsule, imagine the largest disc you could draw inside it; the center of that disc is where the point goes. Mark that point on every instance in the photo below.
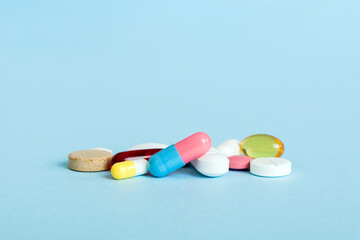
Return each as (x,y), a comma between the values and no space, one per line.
(177,155)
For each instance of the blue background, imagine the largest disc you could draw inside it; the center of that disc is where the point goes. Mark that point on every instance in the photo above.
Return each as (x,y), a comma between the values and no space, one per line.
(82,74)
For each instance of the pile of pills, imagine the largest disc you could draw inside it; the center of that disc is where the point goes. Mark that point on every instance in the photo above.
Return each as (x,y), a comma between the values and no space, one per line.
(260,153)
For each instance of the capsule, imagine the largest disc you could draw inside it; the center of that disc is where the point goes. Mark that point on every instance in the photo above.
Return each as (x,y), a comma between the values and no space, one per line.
(129,169)
(262,145)
(179,154)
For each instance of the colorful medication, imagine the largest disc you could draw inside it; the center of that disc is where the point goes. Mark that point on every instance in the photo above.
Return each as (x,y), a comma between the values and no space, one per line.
(212,164)
(262,145)
(230,147)
(179,154)
(270,167)
(240,162)
(129,169)
(134,154)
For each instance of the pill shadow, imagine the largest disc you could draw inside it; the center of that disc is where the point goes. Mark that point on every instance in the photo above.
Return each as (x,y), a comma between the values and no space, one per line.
(191,171)
(108,176)
(186,170)
(242,171)
(63,164)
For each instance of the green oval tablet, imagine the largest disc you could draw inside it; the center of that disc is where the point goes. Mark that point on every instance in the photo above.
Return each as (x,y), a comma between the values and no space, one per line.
(262,145)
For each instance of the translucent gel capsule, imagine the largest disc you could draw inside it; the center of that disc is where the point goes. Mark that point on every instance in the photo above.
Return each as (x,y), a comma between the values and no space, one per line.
(262,145)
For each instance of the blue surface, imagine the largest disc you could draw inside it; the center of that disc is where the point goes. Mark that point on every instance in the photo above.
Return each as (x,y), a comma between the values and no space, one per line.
(82,74)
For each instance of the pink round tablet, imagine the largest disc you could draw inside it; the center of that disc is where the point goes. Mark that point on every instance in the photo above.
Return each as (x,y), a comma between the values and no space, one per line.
(240,162)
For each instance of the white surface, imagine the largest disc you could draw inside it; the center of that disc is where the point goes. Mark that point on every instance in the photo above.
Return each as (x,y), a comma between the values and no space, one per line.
(147,146)
(212,164)
(270,167)
(230,147)
(141,166)
(103,149)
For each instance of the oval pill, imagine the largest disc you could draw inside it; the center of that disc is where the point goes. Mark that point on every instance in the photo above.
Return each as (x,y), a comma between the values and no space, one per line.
(240,162)
(270,167)
(229,147)
(103,149)
(179,154)
(148,146)
(212,164)
(129,169)
(262,145)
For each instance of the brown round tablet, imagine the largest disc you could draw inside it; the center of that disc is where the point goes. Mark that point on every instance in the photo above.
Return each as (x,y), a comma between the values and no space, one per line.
(90,160)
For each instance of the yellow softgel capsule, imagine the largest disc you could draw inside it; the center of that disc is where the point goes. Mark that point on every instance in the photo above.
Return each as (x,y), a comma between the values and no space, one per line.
(129,169)
(262,145)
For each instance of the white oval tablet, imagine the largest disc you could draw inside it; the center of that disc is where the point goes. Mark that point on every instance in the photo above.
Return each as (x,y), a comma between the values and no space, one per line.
(103,149)
(270,167)
(212,164)
(147,146)
(230,147)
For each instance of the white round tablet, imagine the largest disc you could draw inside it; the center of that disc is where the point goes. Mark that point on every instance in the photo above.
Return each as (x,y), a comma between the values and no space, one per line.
(230,147)
(103,149)
(270,167)
(212,164)
(147,146)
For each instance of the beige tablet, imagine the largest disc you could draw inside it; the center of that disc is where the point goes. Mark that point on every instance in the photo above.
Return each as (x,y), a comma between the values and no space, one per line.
(90,160)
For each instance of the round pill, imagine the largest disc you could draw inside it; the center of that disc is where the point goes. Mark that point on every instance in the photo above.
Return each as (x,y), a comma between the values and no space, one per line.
(229,147)
(103,149)
(240,162)
(147,146)
(212,164)
(262,145)
(90,160)
(270,167)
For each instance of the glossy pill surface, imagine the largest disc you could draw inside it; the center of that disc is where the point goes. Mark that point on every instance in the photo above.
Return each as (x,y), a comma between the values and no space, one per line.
(133,154)
(177,155)
(262,145)
(129,169)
